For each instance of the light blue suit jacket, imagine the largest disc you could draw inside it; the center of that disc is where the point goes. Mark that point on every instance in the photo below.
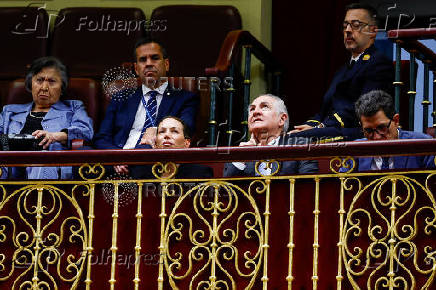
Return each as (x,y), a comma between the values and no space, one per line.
(402,162)
(68,114)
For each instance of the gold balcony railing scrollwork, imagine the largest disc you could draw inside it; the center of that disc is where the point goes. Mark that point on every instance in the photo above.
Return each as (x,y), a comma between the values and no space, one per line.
(91,171)
(380,243)
(207,217)
(342,164)
(36,237)
(342,229)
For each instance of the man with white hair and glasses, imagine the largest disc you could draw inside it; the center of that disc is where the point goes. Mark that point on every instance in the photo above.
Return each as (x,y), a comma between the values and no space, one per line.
(268,120)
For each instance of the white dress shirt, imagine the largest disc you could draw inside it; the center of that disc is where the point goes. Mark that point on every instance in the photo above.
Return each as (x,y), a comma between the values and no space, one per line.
(355,58)
(138,124)
(377,162)
(262,166)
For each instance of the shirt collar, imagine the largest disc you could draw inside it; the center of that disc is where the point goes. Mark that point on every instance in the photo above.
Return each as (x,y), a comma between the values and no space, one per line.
(274,141)
(356,58)
(160,90)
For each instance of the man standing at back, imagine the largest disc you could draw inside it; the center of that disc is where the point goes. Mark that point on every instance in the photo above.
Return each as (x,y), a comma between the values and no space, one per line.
(131,123)
(366,70)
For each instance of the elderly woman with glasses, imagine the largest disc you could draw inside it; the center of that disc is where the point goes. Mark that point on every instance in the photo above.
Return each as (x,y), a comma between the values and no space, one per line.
(53,122)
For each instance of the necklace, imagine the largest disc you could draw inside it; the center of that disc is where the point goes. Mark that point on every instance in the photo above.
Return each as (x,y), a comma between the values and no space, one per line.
(41,115)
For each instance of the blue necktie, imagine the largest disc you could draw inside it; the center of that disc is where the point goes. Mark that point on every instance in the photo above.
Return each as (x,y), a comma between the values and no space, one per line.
(150,113)
(385,163)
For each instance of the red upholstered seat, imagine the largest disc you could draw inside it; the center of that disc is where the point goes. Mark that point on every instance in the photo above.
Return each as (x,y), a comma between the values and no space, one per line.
(23,33)
(86,90)
(193,34)
(93,40)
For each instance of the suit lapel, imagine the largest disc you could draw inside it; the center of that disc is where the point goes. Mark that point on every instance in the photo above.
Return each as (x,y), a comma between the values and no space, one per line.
(360,63)
(350,73)
(400,161)
(132,108)
(21,115)
(53,113)
(166,104)
(365,164)
(249,170)
(339,77)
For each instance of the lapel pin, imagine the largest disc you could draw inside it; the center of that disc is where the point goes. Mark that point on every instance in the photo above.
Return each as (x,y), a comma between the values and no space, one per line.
(366,57)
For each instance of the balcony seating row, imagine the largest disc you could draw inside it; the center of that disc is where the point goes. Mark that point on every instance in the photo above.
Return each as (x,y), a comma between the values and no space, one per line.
(87,90)
(92,40)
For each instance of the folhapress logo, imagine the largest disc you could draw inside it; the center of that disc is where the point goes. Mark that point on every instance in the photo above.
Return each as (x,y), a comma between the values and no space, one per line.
(30,22)
(108,23)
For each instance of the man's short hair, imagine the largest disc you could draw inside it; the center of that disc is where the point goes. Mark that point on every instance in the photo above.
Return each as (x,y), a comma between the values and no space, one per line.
(370,103)
(186,131)
(46,62)
(372,12)
(280,108)
(147,40)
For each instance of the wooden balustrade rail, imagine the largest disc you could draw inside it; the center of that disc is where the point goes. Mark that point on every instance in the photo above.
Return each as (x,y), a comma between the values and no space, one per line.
(220,154)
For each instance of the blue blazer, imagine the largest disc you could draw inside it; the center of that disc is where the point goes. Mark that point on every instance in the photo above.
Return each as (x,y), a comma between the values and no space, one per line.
(402,162)
(68,114)
(372,71)
(120,115)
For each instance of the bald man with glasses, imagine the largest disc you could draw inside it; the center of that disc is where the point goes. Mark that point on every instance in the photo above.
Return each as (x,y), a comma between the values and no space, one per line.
(379,121)
(366,70)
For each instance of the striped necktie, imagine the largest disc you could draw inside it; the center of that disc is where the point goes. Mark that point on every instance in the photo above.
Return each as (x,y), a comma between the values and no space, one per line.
(385,163)
(150,113)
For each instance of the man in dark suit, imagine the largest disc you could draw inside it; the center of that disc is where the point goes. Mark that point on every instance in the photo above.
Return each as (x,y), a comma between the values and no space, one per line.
(131,122)
(267,121)
(367,70)
(380,122)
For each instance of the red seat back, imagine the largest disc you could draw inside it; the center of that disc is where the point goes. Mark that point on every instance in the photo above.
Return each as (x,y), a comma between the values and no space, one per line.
(193,34)
(24,38)
(86,90)
(91,40)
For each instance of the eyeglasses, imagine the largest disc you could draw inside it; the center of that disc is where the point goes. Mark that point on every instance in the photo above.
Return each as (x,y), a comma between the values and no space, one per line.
(381,129)
(356,25)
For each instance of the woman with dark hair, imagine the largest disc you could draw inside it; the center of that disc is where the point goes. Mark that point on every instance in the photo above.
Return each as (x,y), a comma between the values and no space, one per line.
(173,133)
(53,122)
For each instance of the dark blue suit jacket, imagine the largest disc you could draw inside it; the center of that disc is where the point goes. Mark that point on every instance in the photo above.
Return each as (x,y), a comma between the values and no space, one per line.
(120,115)
(403,162)
(373,71)
(286,167)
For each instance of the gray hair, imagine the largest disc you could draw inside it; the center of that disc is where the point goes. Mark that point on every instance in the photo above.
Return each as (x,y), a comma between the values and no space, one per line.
(47,62)
(280,108)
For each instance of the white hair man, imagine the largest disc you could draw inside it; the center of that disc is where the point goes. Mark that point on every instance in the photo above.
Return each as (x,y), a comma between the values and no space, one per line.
(268,120)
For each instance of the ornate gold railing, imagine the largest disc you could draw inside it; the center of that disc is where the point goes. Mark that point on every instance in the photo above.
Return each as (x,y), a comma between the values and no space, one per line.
(334,230)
